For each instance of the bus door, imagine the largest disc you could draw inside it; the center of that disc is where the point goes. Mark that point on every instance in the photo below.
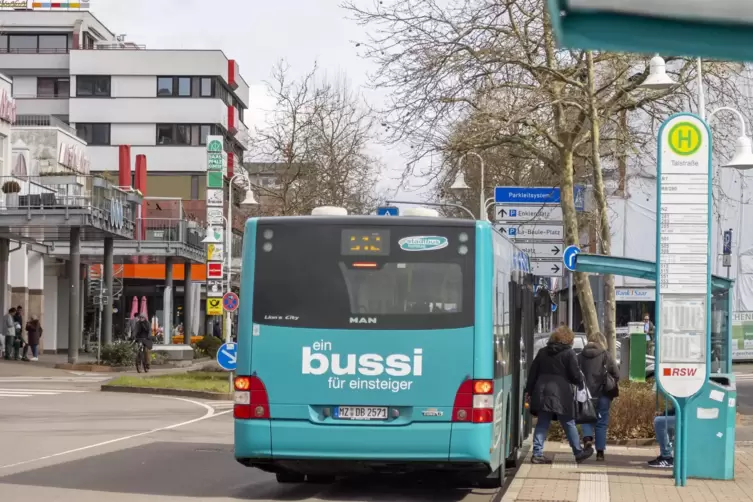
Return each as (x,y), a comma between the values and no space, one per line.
(521,347)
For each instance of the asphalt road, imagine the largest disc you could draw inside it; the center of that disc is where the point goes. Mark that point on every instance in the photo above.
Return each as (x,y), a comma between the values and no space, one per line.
(65,441)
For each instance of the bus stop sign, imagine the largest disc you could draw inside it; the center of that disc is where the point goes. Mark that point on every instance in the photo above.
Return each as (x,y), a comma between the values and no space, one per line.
(683,282)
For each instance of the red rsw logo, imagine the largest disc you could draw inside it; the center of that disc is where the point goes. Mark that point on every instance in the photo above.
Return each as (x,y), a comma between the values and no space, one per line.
(681,372)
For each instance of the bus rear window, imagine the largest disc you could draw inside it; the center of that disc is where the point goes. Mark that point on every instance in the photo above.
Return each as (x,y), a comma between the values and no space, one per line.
(334,277)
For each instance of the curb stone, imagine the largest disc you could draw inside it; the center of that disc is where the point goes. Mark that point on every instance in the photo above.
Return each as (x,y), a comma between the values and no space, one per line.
(212,396)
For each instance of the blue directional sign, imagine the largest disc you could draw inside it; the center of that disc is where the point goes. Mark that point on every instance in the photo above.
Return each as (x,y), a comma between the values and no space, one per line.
(554,307)
(727,247)
(388,211)
(568,257)
(227,356)
(538,195)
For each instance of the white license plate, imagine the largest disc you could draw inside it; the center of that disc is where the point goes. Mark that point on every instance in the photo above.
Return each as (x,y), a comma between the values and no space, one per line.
(361,413)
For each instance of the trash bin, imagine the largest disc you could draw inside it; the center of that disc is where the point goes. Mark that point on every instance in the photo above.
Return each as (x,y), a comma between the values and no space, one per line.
(711,419)
(637,352)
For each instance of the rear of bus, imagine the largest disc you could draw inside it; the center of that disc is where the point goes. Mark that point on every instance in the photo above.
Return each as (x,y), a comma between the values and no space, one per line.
(356,347)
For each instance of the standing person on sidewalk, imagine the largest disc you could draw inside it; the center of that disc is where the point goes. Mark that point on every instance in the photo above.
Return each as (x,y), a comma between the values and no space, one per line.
(552,380)
(601,374)
(33,335)
(19,341)
(9,330)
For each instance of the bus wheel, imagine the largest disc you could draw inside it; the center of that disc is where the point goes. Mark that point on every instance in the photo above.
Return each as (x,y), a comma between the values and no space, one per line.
(290,477)
(320,479)
(494,480)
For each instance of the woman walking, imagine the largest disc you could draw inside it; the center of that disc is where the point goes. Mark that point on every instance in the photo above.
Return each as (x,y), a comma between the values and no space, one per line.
(602,374)
(550,390)
(34,334)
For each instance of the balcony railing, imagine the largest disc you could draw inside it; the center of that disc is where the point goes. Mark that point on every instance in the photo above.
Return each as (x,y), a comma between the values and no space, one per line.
(33,50)
(119,46)
(66,192)
(42,121)
(171,231)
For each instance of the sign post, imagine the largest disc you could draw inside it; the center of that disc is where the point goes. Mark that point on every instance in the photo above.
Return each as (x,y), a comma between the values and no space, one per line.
(569,257)
(727,250)
(683,267)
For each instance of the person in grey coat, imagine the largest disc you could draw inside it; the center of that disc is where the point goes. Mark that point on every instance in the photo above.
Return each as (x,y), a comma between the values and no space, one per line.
(9,331)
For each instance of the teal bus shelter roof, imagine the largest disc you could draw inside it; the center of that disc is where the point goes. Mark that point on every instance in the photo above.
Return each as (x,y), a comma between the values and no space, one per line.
(628,267)
(604,30)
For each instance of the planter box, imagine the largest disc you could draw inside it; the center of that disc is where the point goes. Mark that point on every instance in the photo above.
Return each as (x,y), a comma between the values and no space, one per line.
(11,200)
(60,179)
(100,183)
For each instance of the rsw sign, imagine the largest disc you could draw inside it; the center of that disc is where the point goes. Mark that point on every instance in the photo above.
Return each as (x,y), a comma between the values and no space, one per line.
(680,372)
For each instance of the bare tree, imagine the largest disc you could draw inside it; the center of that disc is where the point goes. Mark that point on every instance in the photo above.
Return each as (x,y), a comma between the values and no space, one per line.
(486,75)
(317,144)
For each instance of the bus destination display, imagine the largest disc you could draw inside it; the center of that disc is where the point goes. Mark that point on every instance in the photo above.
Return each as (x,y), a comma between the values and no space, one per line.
(366,242)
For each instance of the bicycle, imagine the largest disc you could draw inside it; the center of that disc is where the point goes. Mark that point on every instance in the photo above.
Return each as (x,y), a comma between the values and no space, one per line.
(141,356)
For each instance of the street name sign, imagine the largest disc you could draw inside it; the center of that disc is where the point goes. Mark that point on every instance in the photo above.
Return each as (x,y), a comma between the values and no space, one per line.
(538,196)
(547,269)
(518,212)
(532,231)
(541,250)
(683,270)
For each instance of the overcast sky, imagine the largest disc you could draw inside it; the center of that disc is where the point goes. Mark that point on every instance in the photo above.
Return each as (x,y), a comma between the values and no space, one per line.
(256,34)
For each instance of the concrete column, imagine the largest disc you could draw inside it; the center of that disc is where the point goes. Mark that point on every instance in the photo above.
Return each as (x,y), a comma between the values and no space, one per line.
(107,310)
(36,289)
(74,310)
(169,283)
(19,278)
(82,289)
(188,305)
(4,258)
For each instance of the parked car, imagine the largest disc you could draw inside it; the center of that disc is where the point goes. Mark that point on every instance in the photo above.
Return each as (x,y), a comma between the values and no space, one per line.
(540,340)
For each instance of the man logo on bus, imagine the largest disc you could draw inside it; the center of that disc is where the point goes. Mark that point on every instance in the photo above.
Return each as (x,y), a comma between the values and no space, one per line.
(363,320)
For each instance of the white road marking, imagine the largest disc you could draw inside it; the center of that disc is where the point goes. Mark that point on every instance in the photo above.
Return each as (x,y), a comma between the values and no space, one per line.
(93,379)
(210,413)
(36,392)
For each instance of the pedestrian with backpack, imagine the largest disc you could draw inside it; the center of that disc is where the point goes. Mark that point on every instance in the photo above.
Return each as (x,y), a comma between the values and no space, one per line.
(601,374)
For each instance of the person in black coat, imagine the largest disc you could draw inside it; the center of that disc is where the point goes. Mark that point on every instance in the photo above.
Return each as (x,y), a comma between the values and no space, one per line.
(598,366)
(550,391)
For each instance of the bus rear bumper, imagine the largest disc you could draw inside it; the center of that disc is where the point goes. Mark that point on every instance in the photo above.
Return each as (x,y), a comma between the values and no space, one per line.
(300,446)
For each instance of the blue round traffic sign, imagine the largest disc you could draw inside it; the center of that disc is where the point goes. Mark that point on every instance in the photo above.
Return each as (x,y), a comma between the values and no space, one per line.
(230,301)
(227,356)
(569,256)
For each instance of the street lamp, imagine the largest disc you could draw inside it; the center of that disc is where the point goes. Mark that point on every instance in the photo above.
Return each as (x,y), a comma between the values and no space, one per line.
(212,237)
(460,183)
(743,158)
(248,200)
(657,76)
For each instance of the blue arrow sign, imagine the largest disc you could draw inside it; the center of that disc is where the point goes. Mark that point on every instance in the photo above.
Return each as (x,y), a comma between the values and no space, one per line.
(388,211)
(554,307)
(569,256)
(227,356)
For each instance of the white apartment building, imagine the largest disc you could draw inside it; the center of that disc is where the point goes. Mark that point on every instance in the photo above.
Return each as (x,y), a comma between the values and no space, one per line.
(161,102)
(67,68)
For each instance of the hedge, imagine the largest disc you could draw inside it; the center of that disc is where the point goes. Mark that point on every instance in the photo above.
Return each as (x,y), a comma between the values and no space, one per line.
(631,415)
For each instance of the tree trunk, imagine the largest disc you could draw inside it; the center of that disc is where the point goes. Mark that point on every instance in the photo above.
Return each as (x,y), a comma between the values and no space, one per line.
(601,207)
(581,282)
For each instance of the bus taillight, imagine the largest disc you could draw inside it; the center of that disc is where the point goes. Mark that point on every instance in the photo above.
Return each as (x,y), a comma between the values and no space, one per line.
(251,399)
(474,402)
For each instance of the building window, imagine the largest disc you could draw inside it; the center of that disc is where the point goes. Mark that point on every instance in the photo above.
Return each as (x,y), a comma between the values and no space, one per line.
(22,43)
(88,41)
(173,134)
(194,187)
(48,87)
(174,86)
(204,131)
(53,43)
(206,87)
(93,85)
(94,134)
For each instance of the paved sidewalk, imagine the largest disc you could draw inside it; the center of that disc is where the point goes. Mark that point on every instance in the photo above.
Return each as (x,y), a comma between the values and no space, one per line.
(624,477)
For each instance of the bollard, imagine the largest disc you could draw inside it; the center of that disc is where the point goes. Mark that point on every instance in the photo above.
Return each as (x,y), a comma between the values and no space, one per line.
(637,352)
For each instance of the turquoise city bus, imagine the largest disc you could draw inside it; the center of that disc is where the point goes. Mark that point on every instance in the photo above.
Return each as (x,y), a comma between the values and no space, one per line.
(381,344)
